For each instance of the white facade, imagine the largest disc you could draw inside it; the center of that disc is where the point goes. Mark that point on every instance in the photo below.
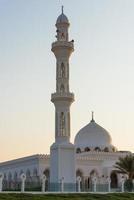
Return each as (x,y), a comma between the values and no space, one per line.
(92,153)
(100,164)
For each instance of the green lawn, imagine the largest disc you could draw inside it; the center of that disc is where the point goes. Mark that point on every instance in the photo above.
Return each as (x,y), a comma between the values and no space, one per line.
(111,196)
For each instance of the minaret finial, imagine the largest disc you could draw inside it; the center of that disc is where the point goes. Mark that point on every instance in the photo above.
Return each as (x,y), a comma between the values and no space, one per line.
(92,117)
(62,7)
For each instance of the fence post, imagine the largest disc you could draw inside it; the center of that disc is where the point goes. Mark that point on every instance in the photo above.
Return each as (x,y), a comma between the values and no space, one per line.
(79,181)
(43,183)
(23,178)
(109,184)
(1,181)
(133,184)
(122,184)
(94,183)
(62,184)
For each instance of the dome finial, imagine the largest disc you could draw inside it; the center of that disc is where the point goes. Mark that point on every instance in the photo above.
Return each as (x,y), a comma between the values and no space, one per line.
(92,117)
(62,9)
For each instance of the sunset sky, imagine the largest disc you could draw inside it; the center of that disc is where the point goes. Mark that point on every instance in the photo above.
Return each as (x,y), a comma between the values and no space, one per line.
(101,71)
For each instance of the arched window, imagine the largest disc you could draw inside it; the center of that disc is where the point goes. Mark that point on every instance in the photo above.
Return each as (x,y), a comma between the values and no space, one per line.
(9,176)
(15,181)
(5,176)
(62,88)
(87,149)
(15,176)
(5,182)
(62,70)
(114,179)
(28,179)
(28,173)
(78,150)
(106,149)
(9,180)
(35,173)
(62,124)
(97,149)
(35,177)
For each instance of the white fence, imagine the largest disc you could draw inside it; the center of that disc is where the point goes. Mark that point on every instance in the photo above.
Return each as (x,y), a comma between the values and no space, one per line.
(43,185)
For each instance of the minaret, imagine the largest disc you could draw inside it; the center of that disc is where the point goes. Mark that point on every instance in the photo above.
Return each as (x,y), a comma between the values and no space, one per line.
(62,154)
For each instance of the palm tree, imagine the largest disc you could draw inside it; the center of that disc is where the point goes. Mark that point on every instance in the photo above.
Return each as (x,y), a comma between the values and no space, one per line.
(126,166)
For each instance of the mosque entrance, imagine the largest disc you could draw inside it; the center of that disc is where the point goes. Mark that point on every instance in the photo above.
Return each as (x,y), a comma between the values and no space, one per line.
(114,180)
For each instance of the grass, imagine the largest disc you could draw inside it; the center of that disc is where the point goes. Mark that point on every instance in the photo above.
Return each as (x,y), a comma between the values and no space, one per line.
(110,196)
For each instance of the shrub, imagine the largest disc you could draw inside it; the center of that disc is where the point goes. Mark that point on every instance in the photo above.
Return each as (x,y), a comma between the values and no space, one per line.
(128,185)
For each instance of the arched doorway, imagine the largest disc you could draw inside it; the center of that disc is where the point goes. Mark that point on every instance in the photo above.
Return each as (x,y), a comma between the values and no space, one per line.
(35,185)
(9,181)
(5,182)
(28,179)
(114,180)
(47,174)
(94,172)
(87,184)
(15,179)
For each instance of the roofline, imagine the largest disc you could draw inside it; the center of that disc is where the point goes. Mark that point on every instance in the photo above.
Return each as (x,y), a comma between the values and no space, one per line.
(26,158)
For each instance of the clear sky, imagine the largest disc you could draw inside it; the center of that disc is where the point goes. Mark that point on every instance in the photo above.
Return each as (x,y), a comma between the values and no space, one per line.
(101,71)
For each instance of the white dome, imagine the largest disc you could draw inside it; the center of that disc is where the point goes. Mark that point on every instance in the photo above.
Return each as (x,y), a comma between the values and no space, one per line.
(93,136)
(62,19)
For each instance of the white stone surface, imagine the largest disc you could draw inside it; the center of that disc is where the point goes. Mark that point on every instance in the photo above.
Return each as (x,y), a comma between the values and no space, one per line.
(93,135)
(1,181)
(63,157)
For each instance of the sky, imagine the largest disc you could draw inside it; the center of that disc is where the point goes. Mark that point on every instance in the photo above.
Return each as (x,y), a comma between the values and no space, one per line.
(101,71)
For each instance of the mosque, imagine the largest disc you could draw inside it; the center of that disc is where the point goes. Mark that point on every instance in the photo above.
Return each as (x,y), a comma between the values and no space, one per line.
(92,153)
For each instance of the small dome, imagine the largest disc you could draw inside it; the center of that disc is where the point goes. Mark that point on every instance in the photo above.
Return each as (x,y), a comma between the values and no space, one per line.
(62,19)
(93,136)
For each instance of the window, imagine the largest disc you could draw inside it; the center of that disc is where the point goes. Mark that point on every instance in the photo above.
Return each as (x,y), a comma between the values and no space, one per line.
(78,150)
(97,149)
(87,149)
(106,149)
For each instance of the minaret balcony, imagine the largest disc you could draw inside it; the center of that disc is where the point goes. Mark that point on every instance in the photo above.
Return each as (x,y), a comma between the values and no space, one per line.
(62,97)
(62,44)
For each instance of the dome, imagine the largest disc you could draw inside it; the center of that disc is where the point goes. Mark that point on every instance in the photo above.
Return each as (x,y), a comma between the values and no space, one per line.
(62,18)
(93,136)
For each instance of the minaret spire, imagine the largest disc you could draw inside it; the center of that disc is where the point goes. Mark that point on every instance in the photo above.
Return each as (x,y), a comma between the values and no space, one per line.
(62,9)
(92,120)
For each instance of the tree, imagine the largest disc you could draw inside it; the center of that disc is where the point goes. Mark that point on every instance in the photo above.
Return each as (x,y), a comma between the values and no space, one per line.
(126,166)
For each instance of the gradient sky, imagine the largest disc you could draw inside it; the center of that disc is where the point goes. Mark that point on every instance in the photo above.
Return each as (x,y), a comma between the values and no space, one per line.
(101,71)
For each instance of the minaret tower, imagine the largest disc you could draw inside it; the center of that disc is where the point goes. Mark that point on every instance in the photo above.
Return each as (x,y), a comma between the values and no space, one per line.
(62,154)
